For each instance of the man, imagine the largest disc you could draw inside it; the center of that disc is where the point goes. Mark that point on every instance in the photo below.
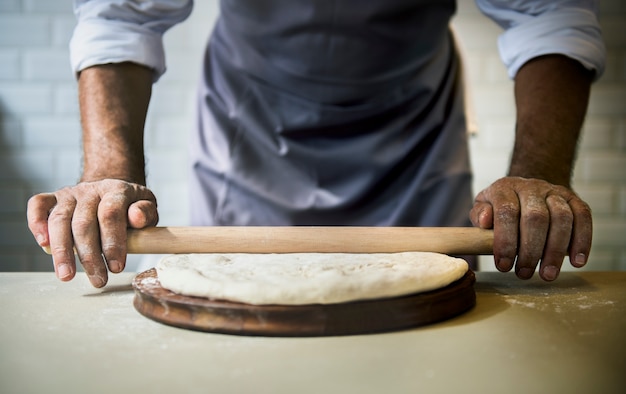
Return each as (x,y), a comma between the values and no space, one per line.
(330,113)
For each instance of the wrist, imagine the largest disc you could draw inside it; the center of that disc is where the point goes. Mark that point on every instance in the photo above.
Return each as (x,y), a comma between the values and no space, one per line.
(556,172)
(122,170)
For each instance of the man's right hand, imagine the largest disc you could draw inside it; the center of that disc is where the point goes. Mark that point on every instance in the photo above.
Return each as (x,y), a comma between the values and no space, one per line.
(92,218)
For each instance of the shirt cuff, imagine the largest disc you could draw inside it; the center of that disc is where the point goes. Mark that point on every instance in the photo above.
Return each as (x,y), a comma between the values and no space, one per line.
(100,41)
(572,32)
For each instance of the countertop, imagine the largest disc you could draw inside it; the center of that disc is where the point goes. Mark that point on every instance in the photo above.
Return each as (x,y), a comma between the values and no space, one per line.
(568,336)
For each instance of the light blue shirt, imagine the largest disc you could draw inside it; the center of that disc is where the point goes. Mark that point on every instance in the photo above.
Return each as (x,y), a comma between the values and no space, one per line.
(111,31)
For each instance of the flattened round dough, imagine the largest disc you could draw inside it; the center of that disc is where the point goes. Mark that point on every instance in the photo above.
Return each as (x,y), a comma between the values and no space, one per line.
(307,278)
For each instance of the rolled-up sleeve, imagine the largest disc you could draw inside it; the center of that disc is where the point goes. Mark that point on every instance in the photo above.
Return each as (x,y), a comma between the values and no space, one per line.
(115,31)
(534,28)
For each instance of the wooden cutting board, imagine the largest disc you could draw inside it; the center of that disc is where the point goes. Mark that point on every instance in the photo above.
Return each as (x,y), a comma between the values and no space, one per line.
(351,318)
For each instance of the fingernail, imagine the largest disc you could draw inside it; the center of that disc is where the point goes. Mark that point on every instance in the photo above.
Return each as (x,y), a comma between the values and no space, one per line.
(40,239)
(550,272)
(63,271)
(115,266)
(580,260)
(97,281)
(525,273)
(504,264)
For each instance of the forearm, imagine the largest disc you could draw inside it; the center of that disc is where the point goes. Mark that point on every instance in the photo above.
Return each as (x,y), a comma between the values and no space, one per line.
(551,94)
(113,102)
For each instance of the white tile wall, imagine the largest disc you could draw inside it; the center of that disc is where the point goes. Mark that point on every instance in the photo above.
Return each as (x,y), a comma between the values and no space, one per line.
(21,30)
(40,135)
(9,64)
(22,99)
(46,6)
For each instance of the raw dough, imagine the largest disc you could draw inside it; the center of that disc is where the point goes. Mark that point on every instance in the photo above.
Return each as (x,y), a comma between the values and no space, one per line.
(307,278)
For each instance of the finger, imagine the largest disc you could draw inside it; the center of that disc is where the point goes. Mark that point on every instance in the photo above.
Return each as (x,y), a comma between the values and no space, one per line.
(112,214)
(559,234)
(87,240)
(38,208)
(582,231)
(60,236)
(481,215)
(534,224)
(506,214)
(143,214)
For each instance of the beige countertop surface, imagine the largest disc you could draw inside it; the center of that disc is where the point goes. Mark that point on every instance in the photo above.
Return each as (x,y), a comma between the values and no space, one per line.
(568,336)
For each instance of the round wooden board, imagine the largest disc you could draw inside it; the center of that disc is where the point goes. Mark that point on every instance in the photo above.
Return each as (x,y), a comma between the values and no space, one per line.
(351,318)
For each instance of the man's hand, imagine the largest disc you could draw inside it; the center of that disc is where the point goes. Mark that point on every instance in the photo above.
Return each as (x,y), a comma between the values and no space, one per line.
(534,220)
(92,218)
(533,211)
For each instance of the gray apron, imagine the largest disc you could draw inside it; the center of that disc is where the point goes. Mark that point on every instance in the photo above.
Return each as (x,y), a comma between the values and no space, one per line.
(331,113)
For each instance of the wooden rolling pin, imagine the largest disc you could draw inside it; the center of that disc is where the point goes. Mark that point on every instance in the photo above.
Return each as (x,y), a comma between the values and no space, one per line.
(309,239)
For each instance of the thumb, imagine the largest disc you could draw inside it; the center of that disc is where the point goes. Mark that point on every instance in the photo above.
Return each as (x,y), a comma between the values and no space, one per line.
(142,213)
(481,215)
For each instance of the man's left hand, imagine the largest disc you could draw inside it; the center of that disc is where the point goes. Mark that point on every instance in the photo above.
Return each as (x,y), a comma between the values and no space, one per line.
(534,221)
